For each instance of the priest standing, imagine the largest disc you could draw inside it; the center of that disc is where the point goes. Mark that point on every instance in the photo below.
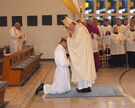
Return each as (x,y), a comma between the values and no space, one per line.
(93,30)
(81,54)
(15,38)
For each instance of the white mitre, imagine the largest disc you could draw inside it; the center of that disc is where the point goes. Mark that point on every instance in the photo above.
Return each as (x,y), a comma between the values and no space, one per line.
(67,21)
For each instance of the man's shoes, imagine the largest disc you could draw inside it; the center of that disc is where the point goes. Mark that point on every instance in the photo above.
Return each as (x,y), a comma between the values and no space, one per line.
(40,88)
(85,90)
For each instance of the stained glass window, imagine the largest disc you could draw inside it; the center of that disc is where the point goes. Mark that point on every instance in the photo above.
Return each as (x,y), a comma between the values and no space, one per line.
(89,6)
(100,6)
(111,4)
(123,4)
(132,6)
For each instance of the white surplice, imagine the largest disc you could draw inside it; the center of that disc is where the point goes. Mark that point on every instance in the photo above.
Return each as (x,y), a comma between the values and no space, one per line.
(95,39)
(117,44)
(105,36)
(130,44)
(15,42)
(61,83)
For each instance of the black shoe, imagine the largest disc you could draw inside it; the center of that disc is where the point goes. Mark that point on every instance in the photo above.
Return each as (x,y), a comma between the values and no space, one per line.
(40,88)
(85,90)
(80,91)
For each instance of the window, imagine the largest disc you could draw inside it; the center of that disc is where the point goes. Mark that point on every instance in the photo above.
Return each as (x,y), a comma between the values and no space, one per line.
(89,6)
(111,4)
(32,20)
(132,6)
(100,6)
(3,21)
(110,9)
(60,18)
(47,20)
(16,19)
(123,6)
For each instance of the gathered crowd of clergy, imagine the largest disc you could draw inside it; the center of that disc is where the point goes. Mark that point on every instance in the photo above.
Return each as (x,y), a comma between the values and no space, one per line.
(119,39)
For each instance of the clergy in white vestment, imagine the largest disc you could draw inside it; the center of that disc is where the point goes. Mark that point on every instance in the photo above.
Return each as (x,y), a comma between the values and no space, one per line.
(106,33)
(61,83)
(117,47)
(15,38)
(81,54)
(93,29)
(130,45)
(121,27)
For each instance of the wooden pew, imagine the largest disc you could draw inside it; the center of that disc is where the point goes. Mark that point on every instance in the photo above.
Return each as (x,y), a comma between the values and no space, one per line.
(6,49)
(3,50)
(19,66)
(3,86)
(1,60)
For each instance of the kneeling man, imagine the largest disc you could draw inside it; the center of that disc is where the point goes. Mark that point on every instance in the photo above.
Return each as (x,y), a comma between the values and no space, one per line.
(61,82)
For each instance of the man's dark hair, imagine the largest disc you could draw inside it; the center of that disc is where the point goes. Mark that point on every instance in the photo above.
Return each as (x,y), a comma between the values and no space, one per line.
(118,19)
(125,18)
(63,40)
(78,20)
(106,20)
(95,19)
(74,23)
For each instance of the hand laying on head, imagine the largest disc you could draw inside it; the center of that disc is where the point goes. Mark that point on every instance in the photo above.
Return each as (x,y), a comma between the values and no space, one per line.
(69,58)
(65,37)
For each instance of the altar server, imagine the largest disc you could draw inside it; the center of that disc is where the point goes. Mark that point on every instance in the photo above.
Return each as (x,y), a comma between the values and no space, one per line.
(130,45)
(118,57)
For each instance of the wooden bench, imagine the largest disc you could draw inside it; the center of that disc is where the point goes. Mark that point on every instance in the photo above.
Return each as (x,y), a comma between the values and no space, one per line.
(19,66)
(3,50)
(3,86)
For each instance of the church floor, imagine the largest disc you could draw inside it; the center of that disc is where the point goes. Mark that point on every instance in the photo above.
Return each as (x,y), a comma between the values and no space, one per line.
(23,97)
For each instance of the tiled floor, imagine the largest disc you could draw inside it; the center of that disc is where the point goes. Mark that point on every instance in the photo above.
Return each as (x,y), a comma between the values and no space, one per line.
(23,97)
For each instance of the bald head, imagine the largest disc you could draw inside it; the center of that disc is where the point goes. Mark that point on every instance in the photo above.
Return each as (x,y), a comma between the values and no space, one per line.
(90,20)
(17,25)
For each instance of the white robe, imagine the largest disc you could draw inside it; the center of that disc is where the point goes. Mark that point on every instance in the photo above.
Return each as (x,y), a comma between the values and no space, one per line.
(95,42)
(81,53)
(61,83)
(15,42)
(100,37)
(117,45)
(127,27)
(106,38)
(130,44)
